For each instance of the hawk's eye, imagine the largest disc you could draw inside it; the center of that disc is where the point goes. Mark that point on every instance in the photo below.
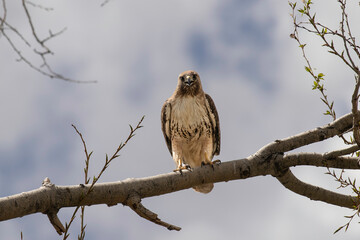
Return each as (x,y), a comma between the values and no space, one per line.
(194,77)
(182,78)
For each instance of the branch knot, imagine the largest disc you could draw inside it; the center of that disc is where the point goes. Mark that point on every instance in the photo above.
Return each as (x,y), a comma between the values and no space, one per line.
(278,164)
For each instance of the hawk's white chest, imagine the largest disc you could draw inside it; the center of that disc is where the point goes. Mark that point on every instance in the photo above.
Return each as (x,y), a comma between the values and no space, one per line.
(189,112)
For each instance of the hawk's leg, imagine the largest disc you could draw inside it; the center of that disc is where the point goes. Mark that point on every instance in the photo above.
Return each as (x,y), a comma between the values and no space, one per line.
(181,166)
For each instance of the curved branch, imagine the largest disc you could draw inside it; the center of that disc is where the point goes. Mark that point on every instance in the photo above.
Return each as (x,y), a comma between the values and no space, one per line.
(316,193)
(335,128)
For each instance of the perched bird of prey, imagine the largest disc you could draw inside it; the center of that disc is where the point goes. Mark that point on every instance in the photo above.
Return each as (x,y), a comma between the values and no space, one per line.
(190,124)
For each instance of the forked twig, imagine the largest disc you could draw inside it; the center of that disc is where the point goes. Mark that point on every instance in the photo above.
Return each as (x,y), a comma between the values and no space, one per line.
(95,179)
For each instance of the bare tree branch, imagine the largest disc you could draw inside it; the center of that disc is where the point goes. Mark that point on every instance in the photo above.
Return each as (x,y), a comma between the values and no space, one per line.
(348,51)
(41,42)
(112,193)
(318,160)
(345,22)
(316,193)
(335,128)
(269,160)
(44,68)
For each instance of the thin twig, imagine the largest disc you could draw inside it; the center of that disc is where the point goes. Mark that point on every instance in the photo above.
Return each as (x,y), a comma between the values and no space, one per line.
(344,183)
(3,18)
(317,77)
(115,155)
(343,35)
(47,50)
(17,33)
(352,40)
(52,74)
(95,179)
(323,33)
(329,44)
(39,6)
(52,35)
(44,68)
(86,181)
(104,3)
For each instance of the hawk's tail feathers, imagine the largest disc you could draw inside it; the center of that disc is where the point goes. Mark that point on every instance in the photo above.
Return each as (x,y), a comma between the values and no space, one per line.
(204,188)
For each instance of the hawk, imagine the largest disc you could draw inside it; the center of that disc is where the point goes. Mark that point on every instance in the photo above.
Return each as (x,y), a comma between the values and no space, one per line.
(190,124)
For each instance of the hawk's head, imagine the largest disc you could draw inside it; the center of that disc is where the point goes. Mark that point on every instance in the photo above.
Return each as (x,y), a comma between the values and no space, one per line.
(189,83)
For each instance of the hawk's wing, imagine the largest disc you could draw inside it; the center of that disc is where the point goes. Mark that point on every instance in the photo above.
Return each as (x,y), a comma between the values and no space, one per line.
(166,124)
(214,118)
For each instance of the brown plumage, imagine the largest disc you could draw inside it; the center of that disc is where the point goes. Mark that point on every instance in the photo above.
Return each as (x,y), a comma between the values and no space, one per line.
(190,124)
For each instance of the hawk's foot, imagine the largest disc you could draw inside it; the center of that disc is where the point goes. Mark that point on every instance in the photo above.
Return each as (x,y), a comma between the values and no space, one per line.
(184,167)
(215,162)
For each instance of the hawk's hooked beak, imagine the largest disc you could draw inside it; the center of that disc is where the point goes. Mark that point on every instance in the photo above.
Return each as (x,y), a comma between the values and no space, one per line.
(188,81)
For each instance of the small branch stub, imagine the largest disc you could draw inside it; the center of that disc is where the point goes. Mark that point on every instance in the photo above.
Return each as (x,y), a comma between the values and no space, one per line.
(52,214)
(55,222)
(134,202)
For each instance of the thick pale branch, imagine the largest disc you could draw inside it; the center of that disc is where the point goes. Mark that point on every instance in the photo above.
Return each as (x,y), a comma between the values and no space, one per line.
(318,160)
(316,193)
(112,193)
(335,128)
(44,198)
(270,160)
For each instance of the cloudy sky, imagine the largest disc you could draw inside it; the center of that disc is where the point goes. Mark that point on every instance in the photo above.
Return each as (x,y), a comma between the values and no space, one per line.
(135,50)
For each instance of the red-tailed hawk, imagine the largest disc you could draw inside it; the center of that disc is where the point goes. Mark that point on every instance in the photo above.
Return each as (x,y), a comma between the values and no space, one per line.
(190,124)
